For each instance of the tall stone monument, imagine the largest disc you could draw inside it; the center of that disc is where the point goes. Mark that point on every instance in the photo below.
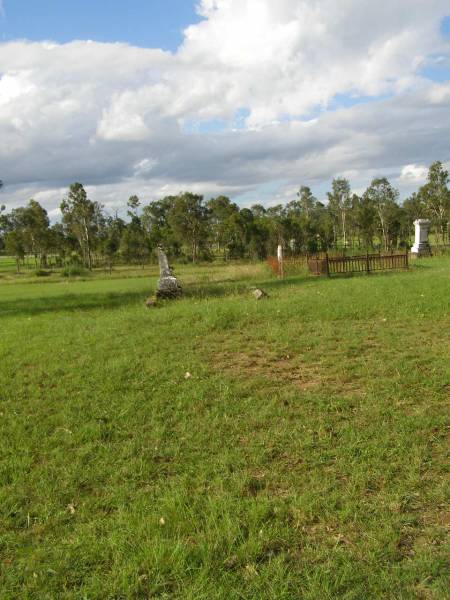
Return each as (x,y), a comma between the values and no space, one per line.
(421,244)
(280,257)
(168,285)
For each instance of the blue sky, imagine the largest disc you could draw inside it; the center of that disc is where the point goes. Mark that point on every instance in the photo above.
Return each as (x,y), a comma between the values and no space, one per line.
(147,23)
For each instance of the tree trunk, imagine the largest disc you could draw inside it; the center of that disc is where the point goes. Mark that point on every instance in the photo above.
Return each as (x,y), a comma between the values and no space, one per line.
(344,233)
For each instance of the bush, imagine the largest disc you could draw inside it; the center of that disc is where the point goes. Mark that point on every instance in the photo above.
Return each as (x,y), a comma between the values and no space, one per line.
(42,273)
(73,271)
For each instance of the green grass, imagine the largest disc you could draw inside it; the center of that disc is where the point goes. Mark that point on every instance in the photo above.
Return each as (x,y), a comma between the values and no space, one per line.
(305,456)
(7,265)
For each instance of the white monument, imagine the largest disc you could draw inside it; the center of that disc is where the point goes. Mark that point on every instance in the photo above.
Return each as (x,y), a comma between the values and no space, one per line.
(280,260)
(421,244)
(280,253)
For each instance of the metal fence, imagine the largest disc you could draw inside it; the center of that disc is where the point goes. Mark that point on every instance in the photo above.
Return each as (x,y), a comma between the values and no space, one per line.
(357,264)
(334,265)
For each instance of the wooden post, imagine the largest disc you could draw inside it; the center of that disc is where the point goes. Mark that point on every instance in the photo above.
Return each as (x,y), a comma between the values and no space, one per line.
(367,263)
(406,259)
(327,264)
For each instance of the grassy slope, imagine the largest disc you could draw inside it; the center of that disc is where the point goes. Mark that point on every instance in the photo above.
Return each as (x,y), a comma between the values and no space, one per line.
(304,458)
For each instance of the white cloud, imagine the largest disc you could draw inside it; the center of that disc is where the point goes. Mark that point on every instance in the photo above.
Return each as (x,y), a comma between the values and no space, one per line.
(414,173)
(114,116)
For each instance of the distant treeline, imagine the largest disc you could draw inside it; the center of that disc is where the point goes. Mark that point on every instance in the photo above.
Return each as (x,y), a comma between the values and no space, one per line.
(193,229)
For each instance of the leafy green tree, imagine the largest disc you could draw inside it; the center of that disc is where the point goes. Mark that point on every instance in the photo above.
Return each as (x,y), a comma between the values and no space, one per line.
(188,218)
(339,200)
(307,200)
(33,222)
(364,219)
(110,244)
(4,225)
(383,197)
(82,218)
(223,217)
(413,208)
(258,211)
(156,225)
(436,197)
(133,206)
(15,246)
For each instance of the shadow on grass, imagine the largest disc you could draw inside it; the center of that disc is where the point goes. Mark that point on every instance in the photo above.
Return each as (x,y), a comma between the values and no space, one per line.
(415,266)
(111,300)
(240,287)
(68,302)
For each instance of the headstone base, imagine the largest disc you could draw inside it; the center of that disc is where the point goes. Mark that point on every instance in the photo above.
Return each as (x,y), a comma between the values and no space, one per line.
(168,288)
(422,249)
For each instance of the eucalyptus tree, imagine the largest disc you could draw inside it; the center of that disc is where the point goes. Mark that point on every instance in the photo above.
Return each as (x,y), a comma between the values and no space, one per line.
(383,197)
(34,223)
(307,200)
(4,224)
(188,218)
(223,222)
(436,197)
(339,201)
(82,218)
(15,246)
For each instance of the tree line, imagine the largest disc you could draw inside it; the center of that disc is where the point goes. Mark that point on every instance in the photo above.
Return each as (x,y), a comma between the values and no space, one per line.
(193,229)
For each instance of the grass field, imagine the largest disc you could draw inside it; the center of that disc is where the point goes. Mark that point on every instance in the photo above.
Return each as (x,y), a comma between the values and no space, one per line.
(305,456)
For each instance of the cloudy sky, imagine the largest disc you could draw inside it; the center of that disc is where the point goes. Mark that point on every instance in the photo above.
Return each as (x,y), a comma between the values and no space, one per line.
(251,98)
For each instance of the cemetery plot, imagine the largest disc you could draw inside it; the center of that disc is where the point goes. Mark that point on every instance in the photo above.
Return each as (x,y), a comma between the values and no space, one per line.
(357,264)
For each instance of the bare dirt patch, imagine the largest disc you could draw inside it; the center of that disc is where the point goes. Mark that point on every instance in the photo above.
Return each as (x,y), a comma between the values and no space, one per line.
(284,369)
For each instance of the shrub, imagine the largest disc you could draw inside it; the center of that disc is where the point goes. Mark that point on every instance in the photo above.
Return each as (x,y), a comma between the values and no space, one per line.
(73,271)
(42,273)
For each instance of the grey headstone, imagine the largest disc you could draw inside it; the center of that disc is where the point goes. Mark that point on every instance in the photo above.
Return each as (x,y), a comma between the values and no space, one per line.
(168,285)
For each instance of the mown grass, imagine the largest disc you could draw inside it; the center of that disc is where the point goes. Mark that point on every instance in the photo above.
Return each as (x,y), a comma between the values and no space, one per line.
(304,457)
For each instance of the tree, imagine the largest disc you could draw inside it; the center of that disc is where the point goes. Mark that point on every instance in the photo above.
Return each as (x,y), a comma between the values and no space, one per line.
(82,218)
(4,224)
(15,246)
(133,205)
(306,200)
(413,208)
(156,225)
(340,203)
(364,220)
(221,212)
(110,244)
(188,217)
(258,211)
(436,197)
(383,198)
(33,222)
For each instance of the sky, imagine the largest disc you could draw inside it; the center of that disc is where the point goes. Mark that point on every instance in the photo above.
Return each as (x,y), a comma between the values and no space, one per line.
(248,98)
(144,23)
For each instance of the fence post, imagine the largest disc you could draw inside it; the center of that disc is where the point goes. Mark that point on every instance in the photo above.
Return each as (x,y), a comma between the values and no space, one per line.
(367,263)
(406,258)
(327,264)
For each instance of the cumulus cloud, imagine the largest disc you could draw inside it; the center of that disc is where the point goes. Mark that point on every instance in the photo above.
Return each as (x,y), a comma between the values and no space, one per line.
(261,79)
(415,173)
